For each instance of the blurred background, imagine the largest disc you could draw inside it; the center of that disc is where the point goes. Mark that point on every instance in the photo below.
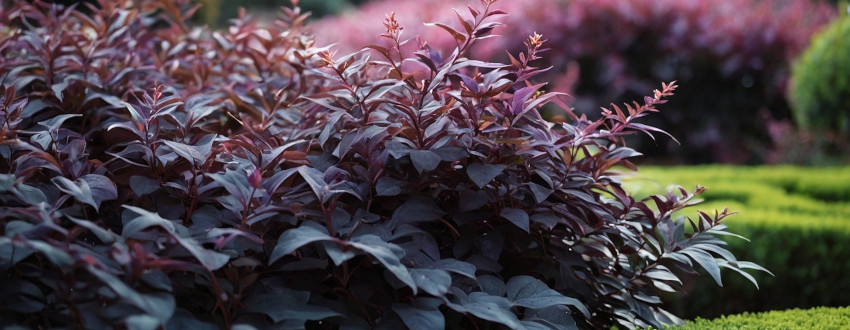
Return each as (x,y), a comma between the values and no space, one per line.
(734,61)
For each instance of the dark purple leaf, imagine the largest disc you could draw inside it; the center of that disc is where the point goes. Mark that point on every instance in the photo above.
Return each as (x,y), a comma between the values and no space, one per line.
(417,209)
(540,192)
(423,314)
(548,220)
(101,187)
(522,95)
(284,304)
(79,189)
(456,266)
(294,239)
(424,160)
(338,252)
(555,317)
(142,185)
(433,281)
(159,305)
(451,154)
(54,123)
(387,254)
(387,186)
(517,217)
(492,285)
(482,174)
(529,292)
(315,180)
(487,307)
(472,200)
(469,82)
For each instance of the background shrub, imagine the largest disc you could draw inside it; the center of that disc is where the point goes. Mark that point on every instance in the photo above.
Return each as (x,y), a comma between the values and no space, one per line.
(217,12)
(732,59)
(815,318)
(821,86)
(155,174)
(798,221)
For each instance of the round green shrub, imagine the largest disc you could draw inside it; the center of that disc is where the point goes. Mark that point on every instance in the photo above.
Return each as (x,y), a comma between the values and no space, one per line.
(820,84)
(815,318)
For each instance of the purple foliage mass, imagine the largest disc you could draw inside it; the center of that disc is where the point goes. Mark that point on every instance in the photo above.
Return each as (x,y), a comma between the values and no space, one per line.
(158,175)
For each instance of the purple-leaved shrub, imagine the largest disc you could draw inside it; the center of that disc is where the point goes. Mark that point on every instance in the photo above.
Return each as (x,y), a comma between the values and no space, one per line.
(155,174)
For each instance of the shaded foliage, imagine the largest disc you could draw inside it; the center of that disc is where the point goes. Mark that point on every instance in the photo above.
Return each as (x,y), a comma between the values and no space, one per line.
(155,174)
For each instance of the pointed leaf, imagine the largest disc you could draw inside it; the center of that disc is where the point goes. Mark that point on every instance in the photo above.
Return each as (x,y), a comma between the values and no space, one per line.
(555,318)
(492,285)
(336,252)
(144,220)
(424,160)
(482,174)
(105,236)
(54,123)
(387,254)
(541,193)
(211,260)
(433,281)
(142,185)
(79,189)
(161,306)
(424,314)
(488,307)
(549,220)
(282,304)
(417,209)
(187,152)
(706,261)
(102,188)
(387,186)
(530,292)
(456,266)
(315,179)
(522,95)
(295,238)
(517,217)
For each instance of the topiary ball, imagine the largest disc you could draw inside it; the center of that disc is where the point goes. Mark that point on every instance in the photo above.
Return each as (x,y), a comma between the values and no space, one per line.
(820,87)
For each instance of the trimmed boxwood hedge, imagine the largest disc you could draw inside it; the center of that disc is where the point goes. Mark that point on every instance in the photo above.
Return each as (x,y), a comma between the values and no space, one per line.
(798,220)
(815,318)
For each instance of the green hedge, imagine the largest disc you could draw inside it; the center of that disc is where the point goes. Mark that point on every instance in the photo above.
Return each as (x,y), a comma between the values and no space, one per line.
(813,319)
(798,220)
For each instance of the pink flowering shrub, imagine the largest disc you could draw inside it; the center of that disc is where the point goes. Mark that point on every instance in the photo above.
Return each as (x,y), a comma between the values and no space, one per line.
(732,57)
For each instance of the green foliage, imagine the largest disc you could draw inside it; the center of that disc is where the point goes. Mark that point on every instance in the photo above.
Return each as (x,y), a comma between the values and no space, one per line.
(815,318)
(821,81)
(798,220)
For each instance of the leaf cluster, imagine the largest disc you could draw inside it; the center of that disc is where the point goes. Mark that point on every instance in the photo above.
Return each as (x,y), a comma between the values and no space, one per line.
(160,175)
